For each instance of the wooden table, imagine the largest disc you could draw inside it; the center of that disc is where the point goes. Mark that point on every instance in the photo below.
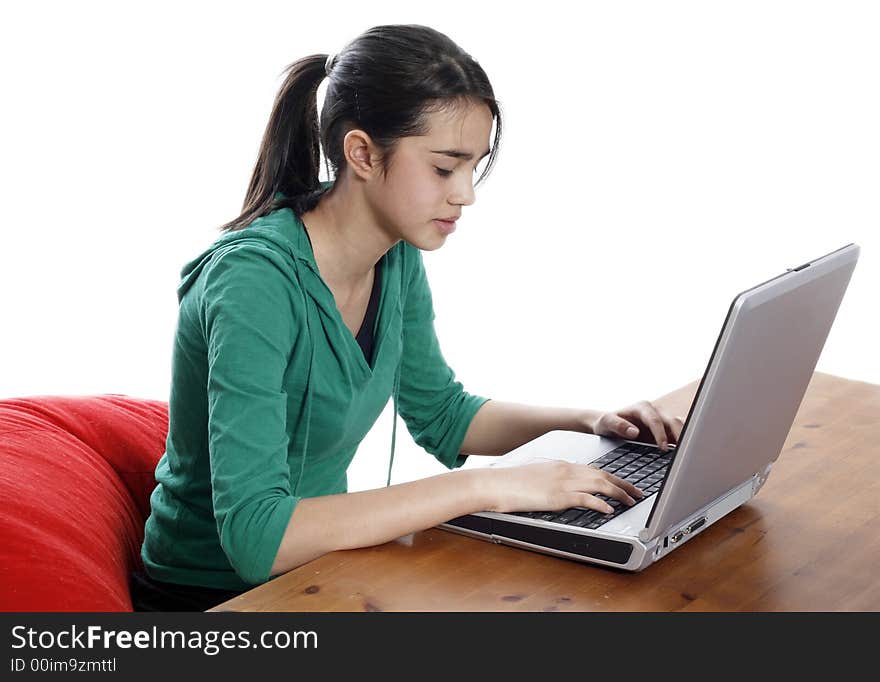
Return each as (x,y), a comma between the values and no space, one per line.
(809,541)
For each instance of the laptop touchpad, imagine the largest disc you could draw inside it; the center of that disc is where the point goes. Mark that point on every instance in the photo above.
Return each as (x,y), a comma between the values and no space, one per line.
(570,446)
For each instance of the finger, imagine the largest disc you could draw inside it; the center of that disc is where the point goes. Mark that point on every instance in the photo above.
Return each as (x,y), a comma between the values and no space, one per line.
(625,485)
(609,489)
(651,417)
(588,501)
(677,427)
(672,425)
(624,428)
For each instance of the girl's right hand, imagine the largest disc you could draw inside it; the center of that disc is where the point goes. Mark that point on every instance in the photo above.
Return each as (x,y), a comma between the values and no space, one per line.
(556,486)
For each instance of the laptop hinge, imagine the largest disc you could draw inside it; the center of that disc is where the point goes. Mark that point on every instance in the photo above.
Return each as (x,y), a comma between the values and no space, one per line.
(716,509)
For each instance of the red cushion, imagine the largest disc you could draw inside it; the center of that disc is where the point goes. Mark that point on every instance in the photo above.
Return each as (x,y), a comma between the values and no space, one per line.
(76,473)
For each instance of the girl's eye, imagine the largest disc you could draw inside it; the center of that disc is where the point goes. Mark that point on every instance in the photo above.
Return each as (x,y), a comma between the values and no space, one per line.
(443,172)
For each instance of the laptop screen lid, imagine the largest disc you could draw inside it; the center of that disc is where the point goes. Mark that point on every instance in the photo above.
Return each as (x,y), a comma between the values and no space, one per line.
(753,386)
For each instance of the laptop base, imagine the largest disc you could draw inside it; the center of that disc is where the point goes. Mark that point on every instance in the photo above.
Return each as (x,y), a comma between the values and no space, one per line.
(615,550)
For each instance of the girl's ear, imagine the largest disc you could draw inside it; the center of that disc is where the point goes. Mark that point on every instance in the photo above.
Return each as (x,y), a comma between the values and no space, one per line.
(360,153)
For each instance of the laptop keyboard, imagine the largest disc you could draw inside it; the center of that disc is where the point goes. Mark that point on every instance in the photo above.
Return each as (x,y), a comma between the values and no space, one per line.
(644,466)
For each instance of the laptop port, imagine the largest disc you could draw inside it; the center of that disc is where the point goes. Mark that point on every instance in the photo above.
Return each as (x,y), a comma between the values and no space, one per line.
(678,536)
(695,525)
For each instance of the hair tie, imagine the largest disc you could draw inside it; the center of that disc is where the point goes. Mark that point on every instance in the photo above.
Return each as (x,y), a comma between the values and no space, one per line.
(329,63)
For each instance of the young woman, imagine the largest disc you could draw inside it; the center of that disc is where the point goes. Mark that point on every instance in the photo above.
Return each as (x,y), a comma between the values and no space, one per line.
(297,325)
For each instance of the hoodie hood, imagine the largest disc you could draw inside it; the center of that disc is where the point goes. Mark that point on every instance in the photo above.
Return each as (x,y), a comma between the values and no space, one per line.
(295,244)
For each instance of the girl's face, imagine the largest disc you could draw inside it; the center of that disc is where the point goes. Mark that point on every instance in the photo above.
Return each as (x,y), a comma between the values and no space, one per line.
(432,177)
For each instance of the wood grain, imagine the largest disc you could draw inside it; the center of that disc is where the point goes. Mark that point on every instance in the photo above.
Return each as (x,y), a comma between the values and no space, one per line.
(810,541)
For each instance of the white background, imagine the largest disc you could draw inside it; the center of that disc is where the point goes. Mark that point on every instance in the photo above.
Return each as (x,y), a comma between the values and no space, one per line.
(657,159)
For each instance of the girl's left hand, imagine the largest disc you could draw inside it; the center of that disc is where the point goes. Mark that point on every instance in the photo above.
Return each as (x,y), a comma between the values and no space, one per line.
(640,418)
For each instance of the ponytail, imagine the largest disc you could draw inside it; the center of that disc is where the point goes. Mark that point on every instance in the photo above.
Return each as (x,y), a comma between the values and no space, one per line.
(289,157)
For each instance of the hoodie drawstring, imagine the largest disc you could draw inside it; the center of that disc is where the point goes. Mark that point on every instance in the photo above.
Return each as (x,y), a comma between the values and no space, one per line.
(308,377)
(396,390)
(394,423)
(308,401)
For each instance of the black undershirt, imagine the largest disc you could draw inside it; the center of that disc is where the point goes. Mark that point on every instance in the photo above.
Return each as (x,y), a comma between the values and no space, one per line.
(364,336)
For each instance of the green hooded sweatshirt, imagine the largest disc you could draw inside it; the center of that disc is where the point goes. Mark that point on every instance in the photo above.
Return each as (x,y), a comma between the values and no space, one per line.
(271,396)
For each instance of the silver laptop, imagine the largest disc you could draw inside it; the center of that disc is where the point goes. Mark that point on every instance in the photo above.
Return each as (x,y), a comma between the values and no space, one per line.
(735,429)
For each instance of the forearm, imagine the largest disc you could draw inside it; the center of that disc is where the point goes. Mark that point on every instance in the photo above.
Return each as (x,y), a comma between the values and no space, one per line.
(328,523)
(499,427)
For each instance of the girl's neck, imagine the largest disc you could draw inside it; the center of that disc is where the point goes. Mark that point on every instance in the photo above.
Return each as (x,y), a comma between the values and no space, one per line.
(346,239)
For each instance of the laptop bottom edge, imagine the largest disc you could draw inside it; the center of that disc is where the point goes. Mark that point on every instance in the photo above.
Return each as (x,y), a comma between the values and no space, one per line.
(624,552)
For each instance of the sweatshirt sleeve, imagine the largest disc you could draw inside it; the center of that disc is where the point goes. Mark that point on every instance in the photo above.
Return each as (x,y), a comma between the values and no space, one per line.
(435,407)
(249,326)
